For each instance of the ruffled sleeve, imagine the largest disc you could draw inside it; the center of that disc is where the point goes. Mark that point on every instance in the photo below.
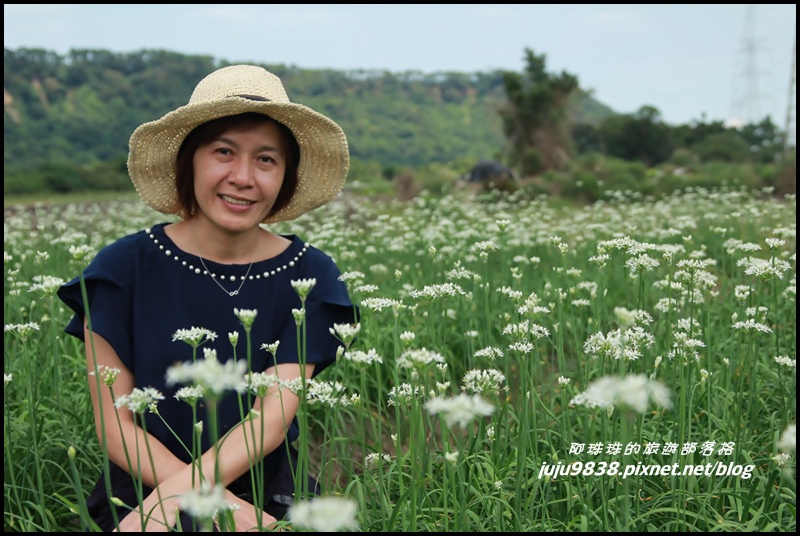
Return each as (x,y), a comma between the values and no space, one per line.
(327,304)
(108,289)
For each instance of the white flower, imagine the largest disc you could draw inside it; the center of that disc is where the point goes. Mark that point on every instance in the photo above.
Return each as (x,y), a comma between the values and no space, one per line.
(511,293)
(364,358)
(24,330)
(213,376)
(459,272)
(303,286)
(139,399)
(331,393)
(460,409)
(764,269)
(408,336)
(378,304)
(194,336)
(641,263)
(502,224)
(345,332)
(46,284)
(190,394)
(374,458)
(205,502)
(752,325)
(781,458)
(402,394)
(787,442)
(245,316)
(432,292)
(627,317)
(324,514)
(741,292)
(775,242)
(233,336)
(259,382)
(490,352)
(365,289)
(421,357)
(347,276)
(484,381)
(81,252)
(271,348)
(484,247)
(107,374)
(635,391)
(619,344)
(295,385)
(522,347)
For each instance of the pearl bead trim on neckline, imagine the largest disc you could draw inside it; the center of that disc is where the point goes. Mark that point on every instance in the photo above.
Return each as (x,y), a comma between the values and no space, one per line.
(198,270)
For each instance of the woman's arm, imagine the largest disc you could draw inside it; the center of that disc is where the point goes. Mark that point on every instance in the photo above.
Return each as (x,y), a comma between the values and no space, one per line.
(125,441)
(236,452)
(250,440)
(144,456)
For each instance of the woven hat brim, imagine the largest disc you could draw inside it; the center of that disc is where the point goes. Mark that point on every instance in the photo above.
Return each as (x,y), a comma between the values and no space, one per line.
(321,174)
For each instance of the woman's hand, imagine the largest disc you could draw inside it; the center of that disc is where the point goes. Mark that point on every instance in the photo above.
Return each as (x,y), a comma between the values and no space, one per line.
(245,517)
(157,517)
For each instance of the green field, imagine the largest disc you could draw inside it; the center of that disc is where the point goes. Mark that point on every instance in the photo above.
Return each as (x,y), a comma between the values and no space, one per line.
(521,365)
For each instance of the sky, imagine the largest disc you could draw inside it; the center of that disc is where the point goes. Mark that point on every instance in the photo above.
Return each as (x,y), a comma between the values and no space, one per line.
(693,62)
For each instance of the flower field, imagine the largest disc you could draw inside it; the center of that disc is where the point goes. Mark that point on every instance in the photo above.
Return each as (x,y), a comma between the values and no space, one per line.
(520,364)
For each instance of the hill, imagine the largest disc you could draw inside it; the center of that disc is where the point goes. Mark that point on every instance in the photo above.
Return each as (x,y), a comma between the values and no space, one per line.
(81,107)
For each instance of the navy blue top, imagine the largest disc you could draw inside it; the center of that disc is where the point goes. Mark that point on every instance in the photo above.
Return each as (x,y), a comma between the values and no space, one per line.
(143,288)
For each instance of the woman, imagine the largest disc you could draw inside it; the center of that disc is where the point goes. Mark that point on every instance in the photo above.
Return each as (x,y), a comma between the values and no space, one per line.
(237,156)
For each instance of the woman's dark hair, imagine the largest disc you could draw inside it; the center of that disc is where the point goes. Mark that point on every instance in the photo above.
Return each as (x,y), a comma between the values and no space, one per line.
(207,132)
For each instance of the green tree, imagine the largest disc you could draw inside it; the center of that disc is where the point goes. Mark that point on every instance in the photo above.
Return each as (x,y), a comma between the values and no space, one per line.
(728,146)
(641,136)
(689,134)
(765,140)
(535,120)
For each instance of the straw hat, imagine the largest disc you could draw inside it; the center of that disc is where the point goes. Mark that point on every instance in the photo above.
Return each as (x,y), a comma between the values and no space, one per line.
(324,154)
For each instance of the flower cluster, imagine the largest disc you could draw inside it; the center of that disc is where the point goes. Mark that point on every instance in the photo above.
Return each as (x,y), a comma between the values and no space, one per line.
(460,409)
(209,373)
(635,391)
(324,514)
(194,336)
(139,399)
(419,358)
(484,381)
(619,344)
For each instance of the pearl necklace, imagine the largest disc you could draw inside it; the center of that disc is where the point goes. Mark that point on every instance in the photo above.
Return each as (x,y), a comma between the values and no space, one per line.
(214,278)
(205,271)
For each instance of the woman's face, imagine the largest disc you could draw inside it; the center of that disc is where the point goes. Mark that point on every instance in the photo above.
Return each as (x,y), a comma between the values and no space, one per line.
(238,175)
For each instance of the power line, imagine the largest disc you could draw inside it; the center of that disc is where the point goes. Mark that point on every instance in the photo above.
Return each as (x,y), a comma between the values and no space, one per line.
(747,104)
(790,128)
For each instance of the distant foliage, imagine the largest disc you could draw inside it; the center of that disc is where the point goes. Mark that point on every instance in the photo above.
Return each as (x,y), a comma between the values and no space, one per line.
(535,119)
(68,119)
